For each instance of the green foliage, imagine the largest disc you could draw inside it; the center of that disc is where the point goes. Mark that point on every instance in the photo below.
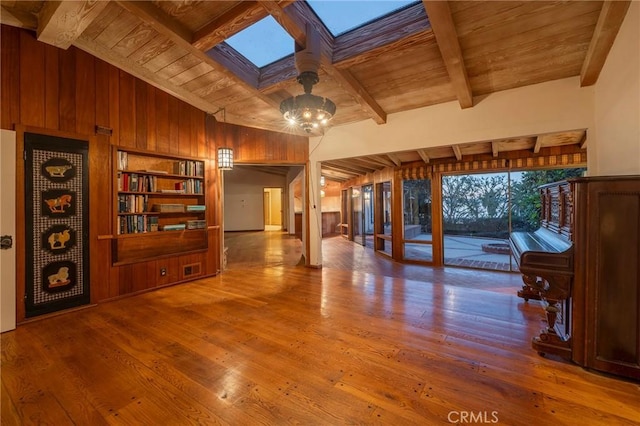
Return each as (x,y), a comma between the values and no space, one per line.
(525,198)
(479,203)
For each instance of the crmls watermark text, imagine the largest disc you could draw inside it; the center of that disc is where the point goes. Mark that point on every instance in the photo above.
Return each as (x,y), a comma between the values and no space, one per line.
(462,417)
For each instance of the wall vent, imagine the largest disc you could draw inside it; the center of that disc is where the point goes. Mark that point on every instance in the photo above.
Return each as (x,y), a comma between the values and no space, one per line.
(191,270)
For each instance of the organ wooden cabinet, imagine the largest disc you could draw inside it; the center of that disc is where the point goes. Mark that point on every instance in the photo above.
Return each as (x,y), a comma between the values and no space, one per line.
(607,274)
(584,263)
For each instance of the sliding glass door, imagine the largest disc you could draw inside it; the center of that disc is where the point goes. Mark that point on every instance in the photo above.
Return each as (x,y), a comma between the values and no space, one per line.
(480,210)
(417,226)
(475,215)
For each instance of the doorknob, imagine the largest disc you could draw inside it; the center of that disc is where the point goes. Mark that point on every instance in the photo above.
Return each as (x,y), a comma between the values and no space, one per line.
(6,242)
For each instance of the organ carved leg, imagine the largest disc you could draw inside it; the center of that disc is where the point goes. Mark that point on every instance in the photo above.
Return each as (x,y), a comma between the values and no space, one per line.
(529,290)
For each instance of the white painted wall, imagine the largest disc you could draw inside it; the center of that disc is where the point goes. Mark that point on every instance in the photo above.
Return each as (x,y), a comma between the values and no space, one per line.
(617,104)
(553,106)
(243,198)
(8,227)
(541,108)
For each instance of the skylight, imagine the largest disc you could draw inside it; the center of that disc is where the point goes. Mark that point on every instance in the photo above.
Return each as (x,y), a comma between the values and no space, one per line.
(263,42)
(340,16)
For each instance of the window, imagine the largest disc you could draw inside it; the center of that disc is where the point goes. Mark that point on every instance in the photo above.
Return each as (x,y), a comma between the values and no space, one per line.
(342,16)
(262,43)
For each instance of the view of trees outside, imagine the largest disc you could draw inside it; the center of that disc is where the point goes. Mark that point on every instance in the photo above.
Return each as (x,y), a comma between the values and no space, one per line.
(478,205)
(417,207)
(525,198)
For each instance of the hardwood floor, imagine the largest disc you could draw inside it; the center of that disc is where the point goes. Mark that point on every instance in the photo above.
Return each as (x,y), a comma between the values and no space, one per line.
(269,342)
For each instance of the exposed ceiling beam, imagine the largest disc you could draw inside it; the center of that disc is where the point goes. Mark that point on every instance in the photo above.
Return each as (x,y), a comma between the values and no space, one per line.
(276,10)
(398,30)
(162,23)
(349,166)
(60,23)
(18,18)
(395,159)
(538,145)
(328,168)
(357,90)
(457,152)
(423,154)
(292,23)
(583,141)
(159,21)
(383,161)
(609,22)
(495,148)
(236,19)
(444,29)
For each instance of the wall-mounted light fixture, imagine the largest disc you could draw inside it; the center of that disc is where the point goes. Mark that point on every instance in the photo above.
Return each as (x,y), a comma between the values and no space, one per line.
(225,158)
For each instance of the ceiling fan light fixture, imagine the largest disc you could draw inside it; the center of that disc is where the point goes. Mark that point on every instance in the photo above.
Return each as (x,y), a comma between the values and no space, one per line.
(308,111)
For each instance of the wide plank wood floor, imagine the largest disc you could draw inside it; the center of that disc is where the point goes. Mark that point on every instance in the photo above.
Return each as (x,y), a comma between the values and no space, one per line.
(270,342)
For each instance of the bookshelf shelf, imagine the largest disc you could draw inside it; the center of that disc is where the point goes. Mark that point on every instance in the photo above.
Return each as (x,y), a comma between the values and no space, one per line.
(159,205)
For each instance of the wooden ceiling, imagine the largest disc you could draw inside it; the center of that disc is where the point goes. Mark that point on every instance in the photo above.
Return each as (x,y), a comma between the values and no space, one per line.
(428,53)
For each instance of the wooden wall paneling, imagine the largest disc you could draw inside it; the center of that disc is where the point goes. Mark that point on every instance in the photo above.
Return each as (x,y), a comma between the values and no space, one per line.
(51,87)
(152,131)
(152,273)
(201,142)
(125,279)
(114,103)
(162,122)
(10,76)
(127,103)
(139,277)
(32,91)
(100,184)
(174,126)
(140,88)
(85,93)
(184,131)
(173,273)
(67,92)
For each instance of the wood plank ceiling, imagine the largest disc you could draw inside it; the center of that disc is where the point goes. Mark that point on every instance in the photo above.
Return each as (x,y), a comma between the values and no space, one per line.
(427,53)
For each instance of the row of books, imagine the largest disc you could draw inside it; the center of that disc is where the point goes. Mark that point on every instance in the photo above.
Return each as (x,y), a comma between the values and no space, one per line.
(136,224)
(137,183)
(188,168)
(134,182)
(190,186)
(133,203)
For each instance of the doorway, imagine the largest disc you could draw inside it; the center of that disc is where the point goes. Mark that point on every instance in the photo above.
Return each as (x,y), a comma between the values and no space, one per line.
(272,209)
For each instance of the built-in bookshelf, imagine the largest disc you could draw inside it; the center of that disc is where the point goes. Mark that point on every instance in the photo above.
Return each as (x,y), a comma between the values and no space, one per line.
(160,200)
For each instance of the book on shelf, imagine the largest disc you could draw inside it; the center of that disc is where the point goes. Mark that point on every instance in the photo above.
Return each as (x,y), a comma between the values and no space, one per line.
(136,224)
(160,172)
(134,182)
(133,203)
(189,186)
(123,160)
(188,168)
(174,227)
(168,208)
(172,191)
(195,207)
(196,224)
